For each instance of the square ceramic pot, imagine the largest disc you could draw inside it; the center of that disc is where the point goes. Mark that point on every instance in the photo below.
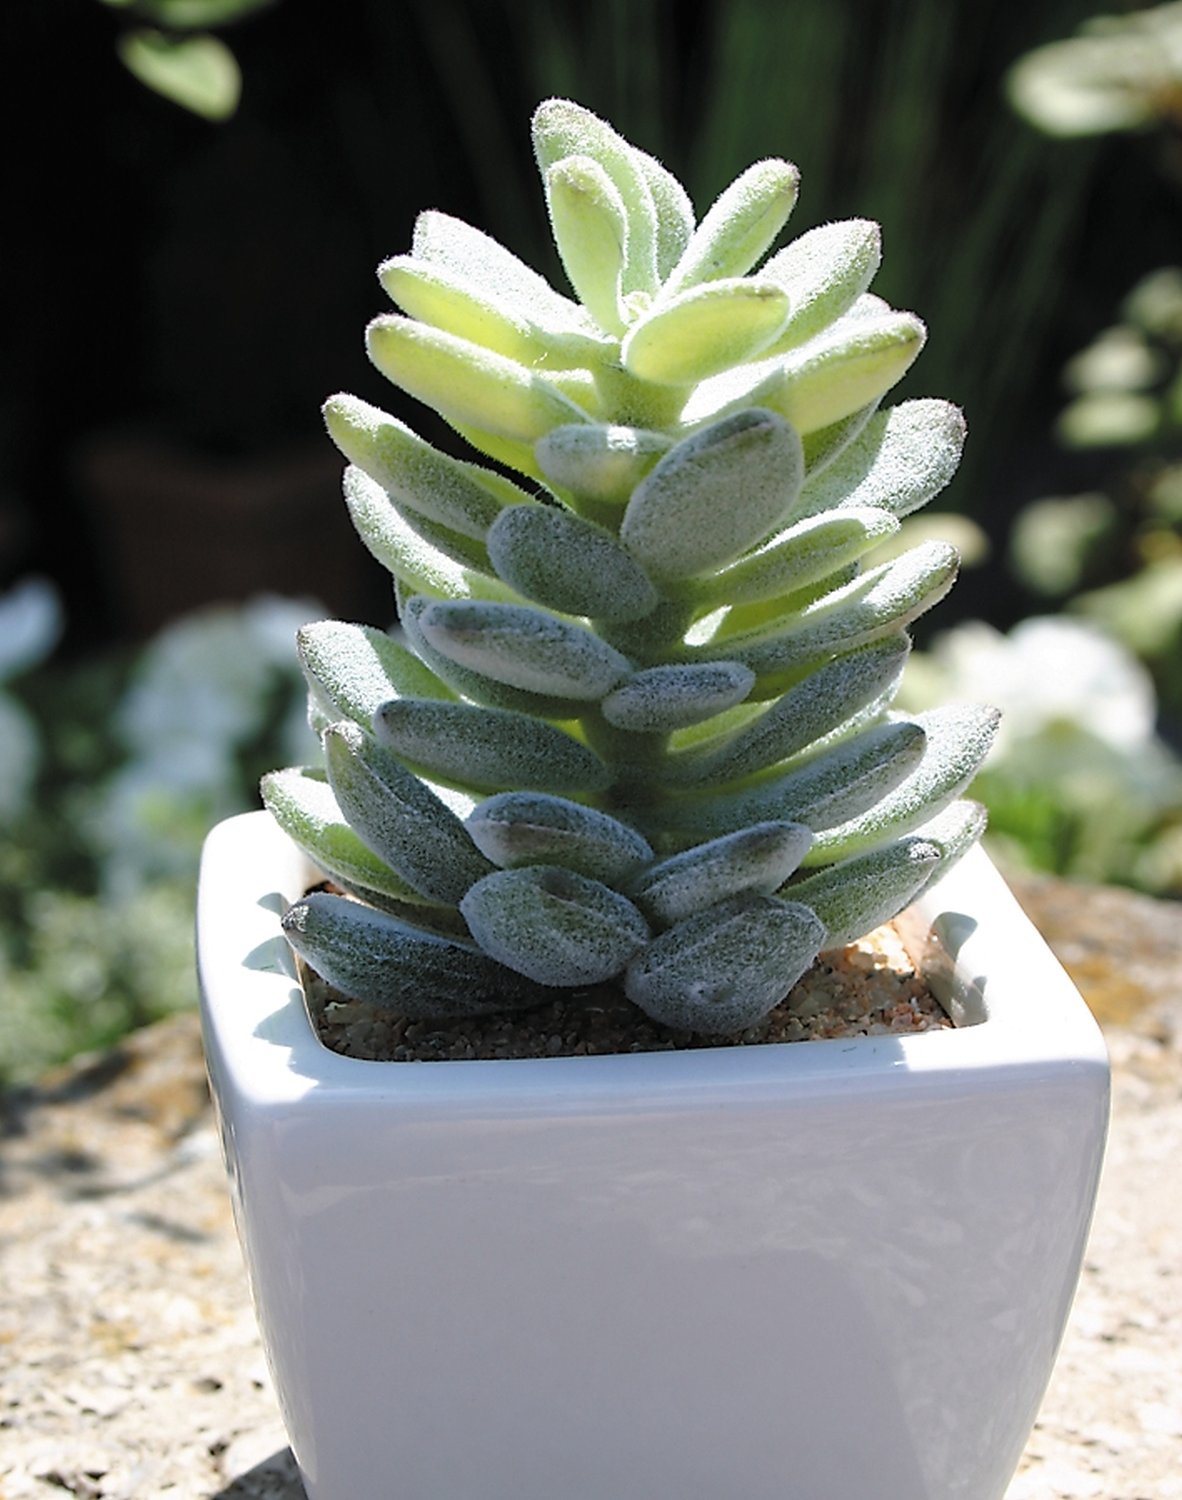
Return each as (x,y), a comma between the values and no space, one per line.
(825,1271)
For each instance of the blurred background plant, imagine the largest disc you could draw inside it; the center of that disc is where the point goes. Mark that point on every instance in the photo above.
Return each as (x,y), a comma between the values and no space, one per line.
(194,256)
(170,48)
(1113,553)
(121,762)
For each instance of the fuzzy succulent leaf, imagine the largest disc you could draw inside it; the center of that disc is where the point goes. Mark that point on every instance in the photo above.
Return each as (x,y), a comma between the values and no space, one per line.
(874,605)
(569,564)
(591,231)
(758,859)
(715,494)
(958,738)
(487,748)
(460,496)
(901,459)
(418,552)
(673,208)
(530,828)
(600,462)
(824,272)
(805,553)
(810,709)
(858,894)
(303,805)
(447,300)
(704,331)
(554,926)
(658,700)
(829,788)
(469,682)
(398,817)
(375,957)
(836,374)
(827,443)
(468,384)
(475,258)
(564,129)
(524,648)
(351,670)
(722,970)
(739,227)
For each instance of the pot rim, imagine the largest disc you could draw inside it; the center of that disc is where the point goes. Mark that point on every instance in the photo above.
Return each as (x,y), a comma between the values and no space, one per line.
(1014,1005)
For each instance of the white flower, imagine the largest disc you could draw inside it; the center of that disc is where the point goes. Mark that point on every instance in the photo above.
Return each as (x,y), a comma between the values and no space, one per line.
(1050,673)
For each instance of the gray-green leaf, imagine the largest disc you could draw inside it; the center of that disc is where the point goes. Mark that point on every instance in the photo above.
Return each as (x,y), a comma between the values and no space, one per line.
(304,807)
(959,737)
(859,894)
(662,699)
(553,925)
(352,670)
(598,462)
(488,748)
(402,821)
(724,969)
(569,564)
(524,648)
(714,495)
(903,457)
(530,828)
(814,707)
(757,859)
(374,957)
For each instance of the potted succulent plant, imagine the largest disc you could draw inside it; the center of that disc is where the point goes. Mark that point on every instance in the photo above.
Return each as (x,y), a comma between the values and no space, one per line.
(636,731)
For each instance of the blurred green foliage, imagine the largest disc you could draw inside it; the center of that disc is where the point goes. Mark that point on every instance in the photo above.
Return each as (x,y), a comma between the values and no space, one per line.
(1079,782)
(1113,554)
(137,755)
(175,55)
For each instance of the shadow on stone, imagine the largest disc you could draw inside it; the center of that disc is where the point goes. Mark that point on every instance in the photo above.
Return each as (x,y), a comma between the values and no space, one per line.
(276,1478)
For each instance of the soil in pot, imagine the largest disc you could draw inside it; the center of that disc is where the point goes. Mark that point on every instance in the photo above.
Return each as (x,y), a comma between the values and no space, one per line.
(870,988)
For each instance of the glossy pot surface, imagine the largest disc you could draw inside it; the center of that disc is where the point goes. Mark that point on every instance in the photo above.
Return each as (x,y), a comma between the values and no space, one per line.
(823,1270)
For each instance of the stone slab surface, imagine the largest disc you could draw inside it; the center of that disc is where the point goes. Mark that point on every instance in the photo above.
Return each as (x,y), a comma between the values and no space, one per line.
(130,1368)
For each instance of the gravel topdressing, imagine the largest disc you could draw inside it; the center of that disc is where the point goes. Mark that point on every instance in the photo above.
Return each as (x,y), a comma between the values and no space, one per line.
(870,988)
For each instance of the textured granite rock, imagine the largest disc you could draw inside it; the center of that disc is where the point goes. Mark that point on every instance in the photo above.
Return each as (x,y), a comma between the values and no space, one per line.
(131,1368)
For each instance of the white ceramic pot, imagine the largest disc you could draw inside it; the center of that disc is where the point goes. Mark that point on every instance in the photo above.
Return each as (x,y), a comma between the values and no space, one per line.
(824,1271)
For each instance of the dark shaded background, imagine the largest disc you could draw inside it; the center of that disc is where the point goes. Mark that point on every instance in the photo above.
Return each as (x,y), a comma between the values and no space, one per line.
(182,295)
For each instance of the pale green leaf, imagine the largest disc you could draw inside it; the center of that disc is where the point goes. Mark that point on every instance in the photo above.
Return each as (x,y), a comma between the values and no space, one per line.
(739,227)
(197,72)
(824,272)
(467,384)
(460,496)
(705,330)
(562,128)
(591,231)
